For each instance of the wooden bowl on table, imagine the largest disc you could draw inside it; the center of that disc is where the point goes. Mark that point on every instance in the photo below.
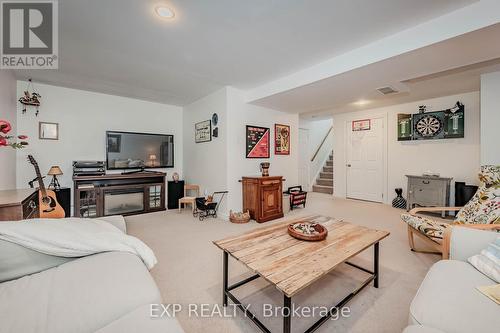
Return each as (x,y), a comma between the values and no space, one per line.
(307,231)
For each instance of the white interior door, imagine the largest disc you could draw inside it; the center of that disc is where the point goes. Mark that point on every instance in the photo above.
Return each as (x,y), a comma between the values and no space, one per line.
(365,163)
(304,158)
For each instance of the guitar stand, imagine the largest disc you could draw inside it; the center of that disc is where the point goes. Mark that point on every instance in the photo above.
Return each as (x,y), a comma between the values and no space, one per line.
(30,183)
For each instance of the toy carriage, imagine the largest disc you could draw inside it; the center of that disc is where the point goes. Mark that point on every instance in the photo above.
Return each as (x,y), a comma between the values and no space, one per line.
(208,207)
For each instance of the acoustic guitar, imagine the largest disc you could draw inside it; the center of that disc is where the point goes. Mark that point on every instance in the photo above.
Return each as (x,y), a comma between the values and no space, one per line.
(49,207)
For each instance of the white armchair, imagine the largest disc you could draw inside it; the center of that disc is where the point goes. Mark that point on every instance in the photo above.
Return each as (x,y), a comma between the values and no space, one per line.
(466,242)
(448,299)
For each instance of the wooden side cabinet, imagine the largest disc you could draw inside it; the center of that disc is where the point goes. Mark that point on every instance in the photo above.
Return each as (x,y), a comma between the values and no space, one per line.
(425,191)
(263,197)
(18,205)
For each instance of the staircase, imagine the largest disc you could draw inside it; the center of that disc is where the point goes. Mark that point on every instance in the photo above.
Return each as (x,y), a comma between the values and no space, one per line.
(324,182)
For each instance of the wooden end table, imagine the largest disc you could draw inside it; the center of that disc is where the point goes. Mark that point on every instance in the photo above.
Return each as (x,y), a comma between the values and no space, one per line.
(292,265)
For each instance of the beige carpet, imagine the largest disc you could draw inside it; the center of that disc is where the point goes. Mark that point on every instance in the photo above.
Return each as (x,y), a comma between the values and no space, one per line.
(190,270)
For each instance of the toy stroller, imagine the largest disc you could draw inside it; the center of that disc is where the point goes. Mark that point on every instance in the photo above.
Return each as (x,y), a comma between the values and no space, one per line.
(205,208)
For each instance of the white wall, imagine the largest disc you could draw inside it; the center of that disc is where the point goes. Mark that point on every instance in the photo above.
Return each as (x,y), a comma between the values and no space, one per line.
(8,112)
(219,164)
(205,164)
(83,119)
(457,158)
(490,118)
(317,130)
(241,114)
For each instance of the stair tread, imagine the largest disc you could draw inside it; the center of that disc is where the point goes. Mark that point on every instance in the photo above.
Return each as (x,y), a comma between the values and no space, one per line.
(324,180)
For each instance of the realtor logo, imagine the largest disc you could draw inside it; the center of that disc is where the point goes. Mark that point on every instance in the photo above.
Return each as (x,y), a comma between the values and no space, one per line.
(29,37)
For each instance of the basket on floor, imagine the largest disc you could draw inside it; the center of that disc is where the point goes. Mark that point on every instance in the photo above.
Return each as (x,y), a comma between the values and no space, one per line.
(239,217)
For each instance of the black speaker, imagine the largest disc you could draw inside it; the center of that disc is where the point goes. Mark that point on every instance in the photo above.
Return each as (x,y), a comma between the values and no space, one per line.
(175,191)
(63,196)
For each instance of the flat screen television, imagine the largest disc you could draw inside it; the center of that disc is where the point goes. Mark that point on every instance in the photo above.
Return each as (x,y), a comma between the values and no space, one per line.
(127,150)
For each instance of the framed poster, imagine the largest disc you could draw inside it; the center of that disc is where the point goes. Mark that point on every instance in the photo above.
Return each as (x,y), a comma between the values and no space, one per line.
(361,125)
(203,131)
(281,139)
(257,142)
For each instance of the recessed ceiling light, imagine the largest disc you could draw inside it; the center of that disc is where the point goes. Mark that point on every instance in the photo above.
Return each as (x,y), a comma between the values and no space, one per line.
(362,102)
(165,12)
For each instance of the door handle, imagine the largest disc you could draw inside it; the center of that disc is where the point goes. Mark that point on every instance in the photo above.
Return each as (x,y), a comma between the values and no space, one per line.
(348,165)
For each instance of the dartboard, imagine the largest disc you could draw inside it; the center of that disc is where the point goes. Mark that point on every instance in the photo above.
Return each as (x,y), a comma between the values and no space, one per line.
(428,126)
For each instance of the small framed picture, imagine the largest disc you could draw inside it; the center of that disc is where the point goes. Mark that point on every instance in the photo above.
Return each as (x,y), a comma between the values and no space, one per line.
(203,131)
(48,131)
(361,125)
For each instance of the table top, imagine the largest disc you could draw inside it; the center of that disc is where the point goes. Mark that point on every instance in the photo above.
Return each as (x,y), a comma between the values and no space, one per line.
(429,177)
(14,197)
(291,264)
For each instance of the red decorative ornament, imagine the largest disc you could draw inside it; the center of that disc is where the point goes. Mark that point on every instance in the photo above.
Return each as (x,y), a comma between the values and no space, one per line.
(5,128)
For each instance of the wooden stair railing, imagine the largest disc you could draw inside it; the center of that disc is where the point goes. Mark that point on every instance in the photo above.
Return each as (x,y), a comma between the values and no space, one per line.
(321,144)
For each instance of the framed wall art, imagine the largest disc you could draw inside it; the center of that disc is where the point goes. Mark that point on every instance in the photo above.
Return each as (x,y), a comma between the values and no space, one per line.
(257,142)
(281,139)
(361,125)
(48,131)
(203,131)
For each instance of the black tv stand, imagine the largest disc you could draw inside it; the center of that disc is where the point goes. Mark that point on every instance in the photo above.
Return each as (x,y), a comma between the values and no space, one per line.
(138,171)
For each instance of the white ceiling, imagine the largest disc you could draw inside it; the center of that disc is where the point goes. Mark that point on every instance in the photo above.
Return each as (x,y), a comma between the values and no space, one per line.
(450,67)
(121,47)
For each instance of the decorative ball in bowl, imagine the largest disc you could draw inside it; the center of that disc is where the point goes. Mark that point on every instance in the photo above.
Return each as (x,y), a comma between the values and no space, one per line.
(307,231)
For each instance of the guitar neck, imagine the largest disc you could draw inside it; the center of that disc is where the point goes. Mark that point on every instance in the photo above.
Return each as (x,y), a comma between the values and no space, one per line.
(40,181)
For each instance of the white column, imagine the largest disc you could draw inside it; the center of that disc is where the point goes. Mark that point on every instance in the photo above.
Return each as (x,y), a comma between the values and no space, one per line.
(490,118)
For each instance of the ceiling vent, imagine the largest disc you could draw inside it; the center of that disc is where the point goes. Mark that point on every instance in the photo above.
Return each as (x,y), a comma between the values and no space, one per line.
(387,90)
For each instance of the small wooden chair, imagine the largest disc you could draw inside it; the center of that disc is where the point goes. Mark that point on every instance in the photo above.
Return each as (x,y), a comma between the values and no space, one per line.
(189,200)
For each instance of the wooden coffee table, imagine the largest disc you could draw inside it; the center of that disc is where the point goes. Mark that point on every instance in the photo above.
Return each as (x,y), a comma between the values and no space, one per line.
(292,265)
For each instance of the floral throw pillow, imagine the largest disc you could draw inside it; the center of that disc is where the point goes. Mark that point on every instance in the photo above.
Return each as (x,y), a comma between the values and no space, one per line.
(484,207)
(490,175)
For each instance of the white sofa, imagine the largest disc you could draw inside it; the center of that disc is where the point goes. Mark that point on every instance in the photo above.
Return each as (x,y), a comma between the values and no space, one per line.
(109,292)
(447,300)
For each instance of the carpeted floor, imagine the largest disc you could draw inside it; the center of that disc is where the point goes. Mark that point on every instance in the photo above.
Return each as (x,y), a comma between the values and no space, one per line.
(189,270)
